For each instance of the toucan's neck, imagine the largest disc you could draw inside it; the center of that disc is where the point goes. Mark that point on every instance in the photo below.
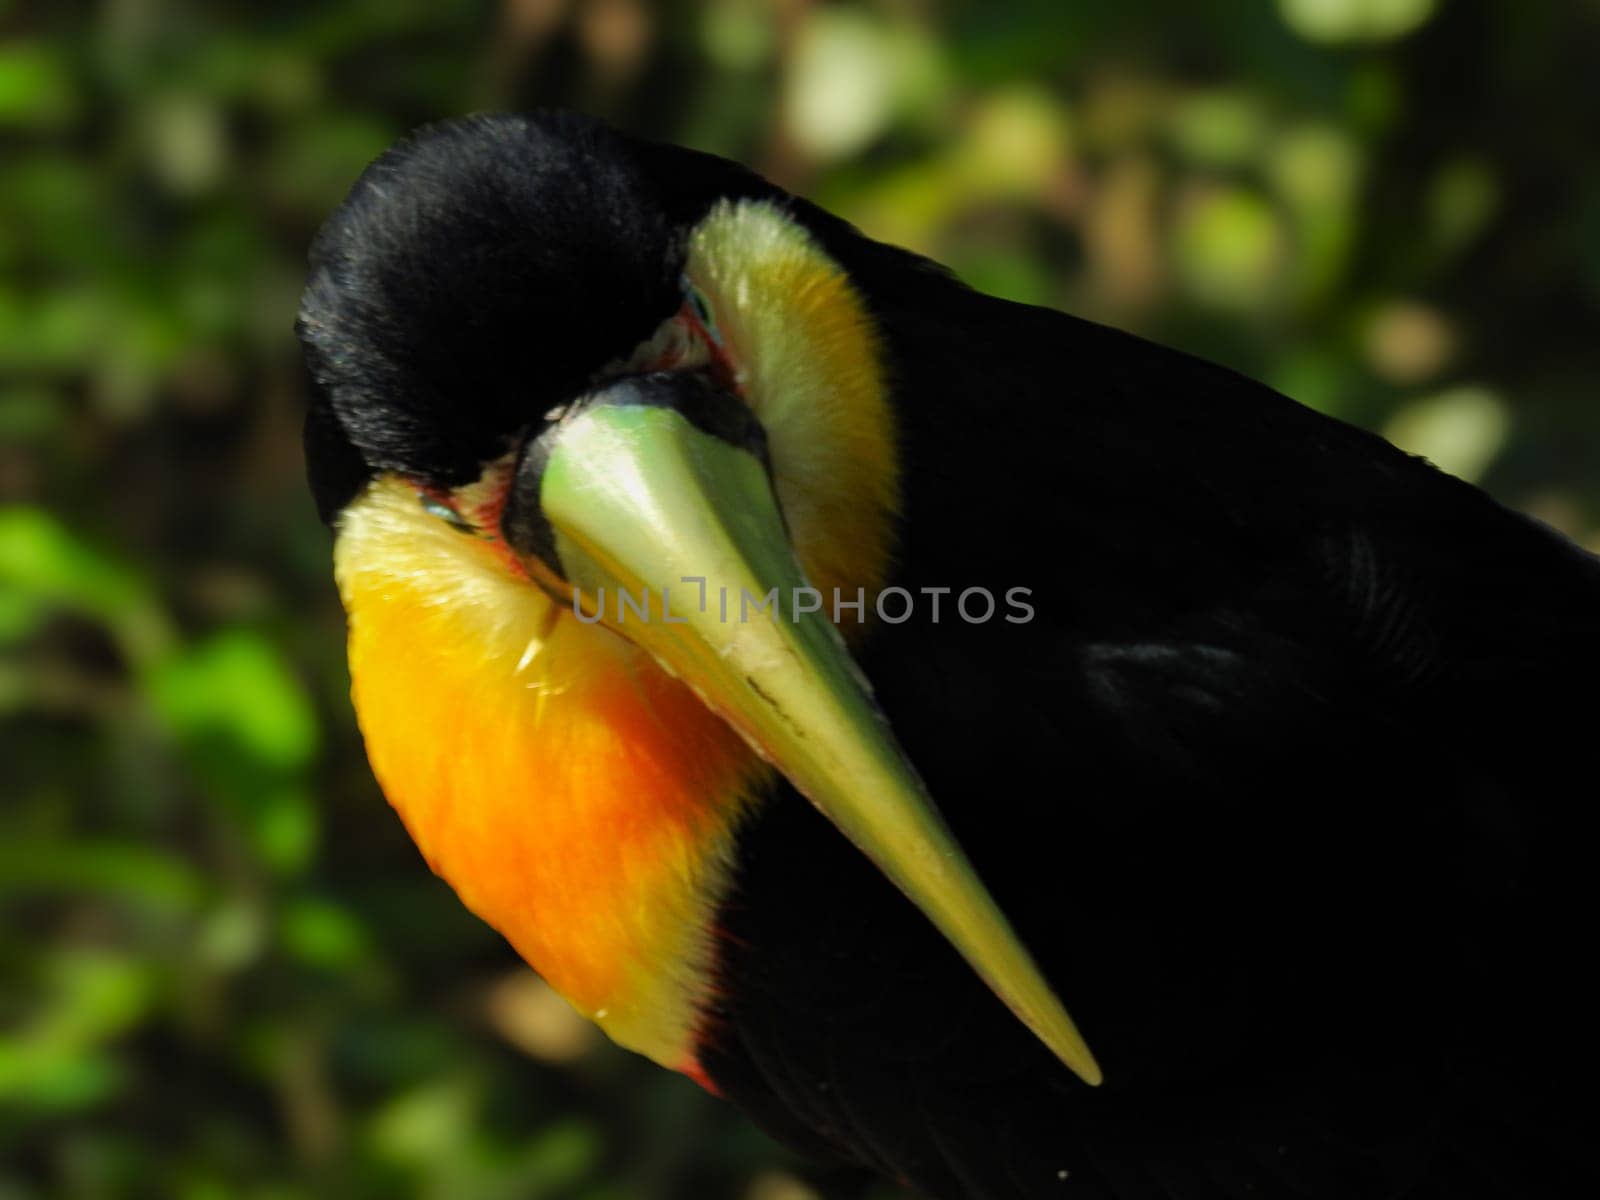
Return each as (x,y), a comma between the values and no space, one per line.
(576,797)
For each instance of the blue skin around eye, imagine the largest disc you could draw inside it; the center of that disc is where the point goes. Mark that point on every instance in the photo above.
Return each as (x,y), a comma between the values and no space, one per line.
(702,310)
(437,508)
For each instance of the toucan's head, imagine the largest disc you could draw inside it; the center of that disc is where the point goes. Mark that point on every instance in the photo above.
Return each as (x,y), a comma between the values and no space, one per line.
(591,416)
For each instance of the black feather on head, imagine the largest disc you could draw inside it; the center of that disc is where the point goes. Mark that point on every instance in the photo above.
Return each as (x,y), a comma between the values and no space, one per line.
(478,274)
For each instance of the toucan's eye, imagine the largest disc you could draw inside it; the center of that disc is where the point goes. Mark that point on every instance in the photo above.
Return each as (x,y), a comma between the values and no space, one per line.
(436,507)
(702,309)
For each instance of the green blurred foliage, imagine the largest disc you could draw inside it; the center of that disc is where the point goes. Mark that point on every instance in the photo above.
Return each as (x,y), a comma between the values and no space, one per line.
(224,972)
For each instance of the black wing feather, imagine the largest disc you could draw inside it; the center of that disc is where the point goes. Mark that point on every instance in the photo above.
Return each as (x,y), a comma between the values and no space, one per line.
(1284,786)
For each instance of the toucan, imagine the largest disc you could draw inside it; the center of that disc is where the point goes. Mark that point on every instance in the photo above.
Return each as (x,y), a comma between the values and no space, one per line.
(989,748)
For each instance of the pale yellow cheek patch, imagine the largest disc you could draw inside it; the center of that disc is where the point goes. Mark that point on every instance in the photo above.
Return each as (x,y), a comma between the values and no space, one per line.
(810,364)
(576,798)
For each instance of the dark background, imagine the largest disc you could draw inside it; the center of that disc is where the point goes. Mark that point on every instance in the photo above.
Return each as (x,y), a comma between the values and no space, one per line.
(224,972)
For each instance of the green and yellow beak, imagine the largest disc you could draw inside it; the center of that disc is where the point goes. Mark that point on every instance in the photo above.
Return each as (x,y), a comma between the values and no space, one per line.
(651,501)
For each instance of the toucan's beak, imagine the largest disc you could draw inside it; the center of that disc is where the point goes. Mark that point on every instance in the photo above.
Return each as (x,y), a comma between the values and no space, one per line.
(657,487)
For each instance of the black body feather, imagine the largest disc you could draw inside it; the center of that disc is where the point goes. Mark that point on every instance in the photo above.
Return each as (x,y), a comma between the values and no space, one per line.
(1287,783)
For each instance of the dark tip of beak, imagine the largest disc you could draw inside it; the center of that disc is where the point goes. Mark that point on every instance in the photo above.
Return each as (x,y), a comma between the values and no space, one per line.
(710,408)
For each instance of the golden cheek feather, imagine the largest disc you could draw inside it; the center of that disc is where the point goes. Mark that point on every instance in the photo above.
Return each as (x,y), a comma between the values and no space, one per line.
(577,798)
(808,360)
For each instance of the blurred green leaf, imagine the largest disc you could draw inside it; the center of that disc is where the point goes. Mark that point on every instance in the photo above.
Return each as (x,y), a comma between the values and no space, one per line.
(232,935)
(35,86)
(20,615)
(29,414)
(41,558)
(1014,144)
(558,1159)
(1010,275)
(1221,128)
(737,34)
(285,829)
(54,1062)
(186,141)
(427,1123)
(1356,20)
(319,160)
(54,330)
(1317,377)
(236,685)
(322,934)
(1318,170)
(841,85)
(1461,202)
(136,873)
(1229,246)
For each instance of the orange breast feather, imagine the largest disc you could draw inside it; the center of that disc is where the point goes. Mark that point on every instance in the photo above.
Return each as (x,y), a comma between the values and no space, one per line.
(576,797)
